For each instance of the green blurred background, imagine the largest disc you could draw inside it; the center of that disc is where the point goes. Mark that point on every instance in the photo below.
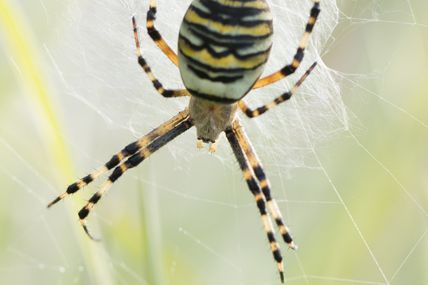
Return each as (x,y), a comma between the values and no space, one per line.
(355,194)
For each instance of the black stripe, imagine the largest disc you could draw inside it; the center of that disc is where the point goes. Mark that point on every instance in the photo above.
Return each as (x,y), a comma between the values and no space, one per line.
(72,188)
(262,109)
(213,98)
(88,179)
(232,21)
(113,162)
(157,84)
(83,213)
(154,34)
(299,54)
(314,14)
(221,69)
(225,36)
(151,14)
(315,10)
(287,238)
(286,96)
(249,113)
(260,174)
(277,256)
(134,160)
(204,75)
(279,100)
(271,236)
(95,198)
(117,172)
(228,51)
(143,63)
(132,148)
(287,70)
(260,203)
(229,43)
(218,8)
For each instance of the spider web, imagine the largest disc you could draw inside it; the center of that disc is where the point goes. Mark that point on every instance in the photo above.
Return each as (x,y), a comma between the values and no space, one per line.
(345,156)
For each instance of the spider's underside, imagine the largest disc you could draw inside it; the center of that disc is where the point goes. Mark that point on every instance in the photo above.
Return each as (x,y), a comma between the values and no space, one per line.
(222,50)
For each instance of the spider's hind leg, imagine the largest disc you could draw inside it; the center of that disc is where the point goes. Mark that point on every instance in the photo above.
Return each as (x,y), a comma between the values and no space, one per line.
(132,162)
(264,183)
(127,151)
(234,139)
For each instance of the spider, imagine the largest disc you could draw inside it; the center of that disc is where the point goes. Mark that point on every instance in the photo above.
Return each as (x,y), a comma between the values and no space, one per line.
(223,46)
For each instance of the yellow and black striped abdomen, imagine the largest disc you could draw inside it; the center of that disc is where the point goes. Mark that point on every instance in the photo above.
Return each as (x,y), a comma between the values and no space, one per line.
(223,46)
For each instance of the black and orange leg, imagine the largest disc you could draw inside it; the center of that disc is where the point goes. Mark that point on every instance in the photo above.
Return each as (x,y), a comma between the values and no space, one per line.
(156,36)
(255,164)
(298,57)
(251,113)
(254,187)
(156,83)
(127,151)
(131,162)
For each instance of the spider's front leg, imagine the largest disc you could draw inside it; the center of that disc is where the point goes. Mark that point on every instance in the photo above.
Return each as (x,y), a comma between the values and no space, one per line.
(298,57)
(156,36)
(234,138)
(143,63)
(251,113)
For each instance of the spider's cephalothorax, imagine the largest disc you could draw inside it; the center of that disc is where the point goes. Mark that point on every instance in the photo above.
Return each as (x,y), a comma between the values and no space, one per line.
(210,118)
(222,49)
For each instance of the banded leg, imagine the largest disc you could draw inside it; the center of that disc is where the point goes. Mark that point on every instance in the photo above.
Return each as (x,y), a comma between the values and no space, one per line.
(156,36)
(254,161)
(260,200)
(251,113)
(127,151)
(131,162)
(156,83)
(298,57)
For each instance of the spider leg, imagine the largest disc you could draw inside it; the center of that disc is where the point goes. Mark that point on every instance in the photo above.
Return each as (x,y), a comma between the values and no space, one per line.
(263,182)
(298,57)
(127,151)
(156,36)
(156,83)
(131,162)
(251,113)
(233,138)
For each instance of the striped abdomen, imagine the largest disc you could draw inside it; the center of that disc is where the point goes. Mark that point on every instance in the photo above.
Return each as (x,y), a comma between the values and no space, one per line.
(223,46)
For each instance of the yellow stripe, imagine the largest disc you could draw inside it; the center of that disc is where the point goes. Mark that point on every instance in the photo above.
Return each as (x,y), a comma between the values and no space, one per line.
(81,184)
(247,174)
(229,61)
(123,168)
(274,246)
(149,24)
(259,30)
(254,4)
(283,230)
(264,183)
(145,152)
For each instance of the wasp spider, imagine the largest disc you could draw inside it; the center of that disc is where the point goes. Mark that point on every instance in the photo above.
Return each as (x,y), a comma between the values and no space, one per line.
(223,46)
